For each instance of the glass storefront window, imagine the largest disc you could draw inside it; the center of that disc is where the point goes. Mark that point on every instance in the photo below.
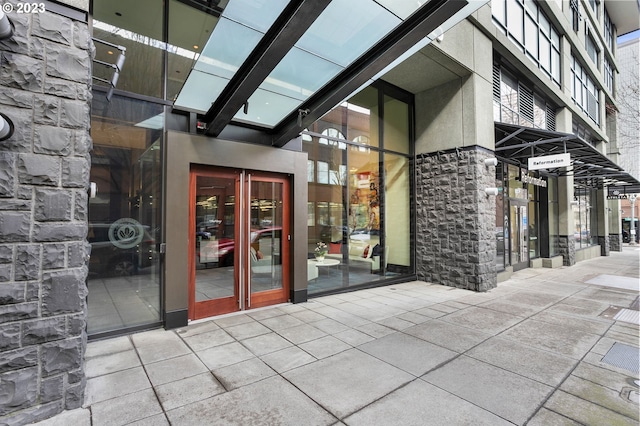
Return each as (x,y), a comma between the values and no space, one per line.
(361,199)
(516,189)
(585,217)
(125,214)
(553,216)
(501,231)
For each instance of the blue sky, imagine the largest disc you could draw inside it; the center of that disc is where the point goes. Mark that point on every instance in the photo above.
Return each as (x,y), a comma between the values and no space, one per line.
(629,36)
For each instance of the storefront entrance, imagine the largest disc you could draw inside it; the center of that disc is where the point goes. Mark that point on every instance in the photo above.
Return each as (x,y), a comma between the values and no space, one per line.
(239,240)
(519,235)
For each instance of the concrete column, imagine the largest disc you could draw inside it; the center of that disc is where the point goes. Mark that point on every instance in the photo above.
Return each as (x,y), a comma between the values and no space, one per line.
(566,222)
(600,204)
(45,77)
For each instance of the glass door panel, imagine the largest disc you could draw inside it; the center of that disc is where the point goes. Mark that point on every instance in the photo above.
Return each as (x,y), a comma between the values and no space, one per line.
(518,237)
(239,260)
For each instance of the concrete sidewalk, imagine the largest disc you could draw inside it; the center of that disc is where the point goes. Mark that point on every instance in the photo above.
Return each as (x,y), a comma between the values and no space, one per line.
(543,348)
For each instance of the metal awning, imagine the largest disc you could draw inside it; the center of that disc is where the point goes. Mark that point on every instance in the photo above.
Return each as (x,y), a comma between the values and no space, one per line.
(590,167)
(279,65)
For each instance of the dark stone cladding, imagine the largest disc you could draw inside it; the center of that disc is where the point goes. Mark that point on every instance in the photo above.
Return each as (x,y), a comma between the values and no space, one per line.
(567,248)
(455,238)
(605,245)
(615,240)
(45,89)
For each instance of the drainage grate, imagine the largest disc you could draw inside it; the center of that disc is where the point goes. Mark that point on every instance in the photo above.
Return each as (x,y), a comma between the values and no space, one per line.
(623,356)
(627,315)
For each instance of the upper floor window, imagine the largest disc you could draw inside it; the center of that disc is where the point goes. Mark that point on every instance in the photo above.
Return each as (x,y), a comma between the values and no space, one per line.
(525,24)
(594,6)
(592,48)
(608,75)
(514,103)
(575,14)
(608,31)
(584,92)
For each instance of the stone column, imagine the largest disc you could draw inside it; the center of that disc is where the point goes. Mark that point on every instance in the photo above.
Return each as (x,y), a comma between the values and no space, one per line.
(566,222)
(615,225)
(45,77)
(603,221)
(456,242)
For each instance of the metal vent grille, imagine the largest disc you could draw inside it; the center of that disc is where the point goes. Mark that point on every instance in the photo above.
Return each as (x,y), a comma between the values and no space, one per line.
(496,82)
(623,356)
(551,118)
(526,102)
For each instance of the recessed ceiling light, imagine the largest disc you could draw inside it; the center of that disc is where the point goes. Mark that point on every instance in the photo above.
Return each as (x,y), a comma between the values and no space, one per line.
(110,52)
(195,46)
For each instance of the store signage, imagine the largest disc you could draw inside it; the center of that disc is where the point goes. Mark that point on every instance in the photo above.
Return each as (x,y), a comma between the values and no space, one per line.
(616,195)
(550,161)
(525,178)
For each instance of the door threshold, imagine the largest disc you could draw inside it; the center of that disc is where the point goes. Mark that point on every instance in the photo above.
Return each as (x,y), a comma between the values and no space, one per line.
(232,314)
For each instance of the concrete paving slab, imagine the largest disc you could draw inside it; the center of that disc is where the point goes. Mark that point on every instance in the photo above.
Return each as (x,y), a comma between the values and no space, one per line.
(420,403)
(287,359)
(353,337)
(431,313)
(589,325)
(174,369)
(264,314)
(186,391)
(243,373)
(501,392)
(585,412)
(281,322)
(307,316)
(330,326)
(198,328)
(511,308)
(325,347)
(221,356)
(448,335)
(413,317)
(375,330)
(601,395)
(397,323)
(301,333)
(546,417)
(209,339)
(542,366)
(266,343)
(616,281)
(157,420)
(482,319)
(348,381)
(126,409)
(247,330)
(108,346)
(279,404)
(105,364)
(161,351)
(153,338)
(233,319)
(602,376)
(77,417)
(533,298)
(416,357)
(552,337)
(115,384)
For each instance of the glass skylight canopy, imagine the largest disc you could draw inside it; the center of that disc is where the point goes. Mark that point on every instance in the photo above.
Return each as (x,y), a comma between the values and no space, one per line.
(342,32)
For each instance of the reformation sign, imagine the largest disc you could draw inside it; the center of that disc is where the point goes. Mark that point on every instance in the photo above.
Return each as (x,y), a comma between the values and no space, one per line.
(525,178)
(550,161)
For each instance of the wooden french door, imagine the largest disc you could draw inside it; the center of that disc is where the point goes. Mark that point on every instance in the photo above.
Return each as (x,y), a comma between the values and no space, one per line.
(239,240)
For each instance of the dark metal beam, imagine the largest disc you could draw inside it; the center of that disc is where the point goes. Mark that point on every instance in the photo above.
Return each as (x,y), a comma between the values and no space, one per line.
(393,45)
(292,23)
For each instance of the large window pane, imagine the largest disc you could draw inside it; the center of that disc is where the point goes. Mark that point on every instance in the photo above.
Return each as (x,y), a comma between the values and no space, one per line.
(143,68)
(396,125)
(124,216)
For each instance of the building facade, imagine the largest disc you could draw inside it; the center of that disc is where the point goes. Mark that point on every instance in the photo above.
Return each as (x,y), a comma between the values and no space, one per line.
(268,153)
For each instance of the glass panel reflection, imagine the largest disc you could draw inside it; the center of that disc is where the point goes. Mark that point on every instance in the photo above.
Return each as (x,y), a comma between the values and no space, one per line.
(215,237)
(124,216)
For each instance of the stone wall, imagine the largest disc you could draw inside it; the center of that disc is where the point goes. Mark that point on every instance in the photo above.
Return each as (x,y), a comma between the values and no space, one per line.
(45,78)
(455,241)
(605,245)
(567,249)
(615,241)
